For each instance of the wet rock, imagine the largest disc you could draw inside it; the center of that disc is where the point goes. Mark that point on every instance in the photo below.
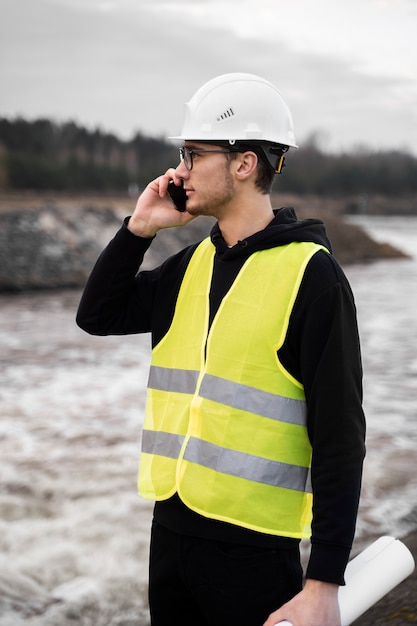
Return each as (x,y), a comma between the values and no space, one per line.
(51,247)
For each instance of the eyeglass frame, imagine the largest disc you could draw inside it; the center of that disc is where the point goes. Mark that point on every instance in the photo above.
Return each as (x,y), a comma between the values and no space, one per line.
(186,155)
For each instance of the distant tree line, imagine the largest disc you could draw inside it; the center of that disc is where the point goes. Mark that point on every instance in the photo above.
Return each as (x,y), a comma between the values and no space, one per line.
(43,155)
(363,171)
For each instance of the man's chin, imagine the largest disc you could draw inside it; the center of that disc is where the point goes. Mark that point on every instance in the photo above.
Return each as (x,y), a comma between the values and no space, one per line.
(194,210)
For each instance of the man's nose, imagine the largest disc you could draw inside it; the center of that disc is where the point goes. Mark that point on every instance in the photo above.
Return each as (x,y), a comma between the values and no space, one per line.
(181,171)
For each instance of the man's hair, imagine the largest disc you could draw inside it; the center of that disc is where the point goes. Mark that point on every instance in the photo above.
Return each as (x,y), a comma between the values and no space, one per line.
(265,171)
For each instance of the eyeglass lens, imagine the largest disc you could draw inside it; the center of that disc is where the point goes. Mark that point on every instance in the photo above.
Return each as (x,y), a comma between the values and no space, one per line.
(186,157)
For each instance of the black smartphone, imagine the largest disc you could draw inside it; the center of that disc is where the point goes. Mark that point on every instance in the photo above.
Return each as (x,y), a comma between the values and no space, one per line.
(178,196)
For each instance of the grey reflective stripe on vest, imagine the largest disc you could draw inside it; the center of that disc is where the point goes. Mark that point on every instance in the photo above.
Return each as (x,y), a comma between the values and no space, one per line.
(243,465)
(226,461)
(253,400)
(170,379)
(162,444)
(229,393)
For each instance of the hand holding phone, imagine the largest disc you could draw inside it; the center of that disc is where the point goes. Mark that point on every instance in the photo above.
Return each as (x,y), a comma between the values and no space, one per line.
(178,196)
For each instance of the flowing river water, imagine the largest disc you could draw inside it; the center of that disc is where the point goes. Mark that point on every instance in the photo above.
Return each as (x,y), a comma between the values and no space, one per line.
(73,531)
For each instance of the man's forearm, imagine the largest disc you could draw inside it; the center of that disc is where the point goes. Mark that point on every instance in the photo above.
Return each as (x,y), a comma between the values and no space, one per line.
(109,287)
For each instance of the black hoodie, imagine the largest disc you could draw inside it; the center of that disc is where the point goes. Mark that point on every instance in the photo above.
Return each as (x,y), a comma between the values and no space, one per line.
(321,350)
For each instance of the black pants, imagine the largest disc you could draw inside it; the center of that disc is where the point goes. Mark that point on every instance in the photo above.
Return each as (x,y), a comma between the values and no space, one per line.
(197,582)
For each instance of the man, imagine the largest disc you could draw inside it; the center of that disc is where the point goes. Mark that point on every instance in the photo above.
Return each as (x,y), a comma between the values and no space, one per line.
(253,424)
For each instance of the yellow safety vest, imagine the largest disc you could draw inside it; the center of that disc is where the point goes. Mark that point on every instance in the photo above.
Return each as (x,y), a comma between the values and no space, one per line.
(225,423)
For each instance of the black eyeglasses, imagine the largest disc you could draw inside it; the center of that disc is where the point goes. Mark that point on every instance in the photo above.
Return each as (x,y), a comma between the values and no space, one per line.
(186,155)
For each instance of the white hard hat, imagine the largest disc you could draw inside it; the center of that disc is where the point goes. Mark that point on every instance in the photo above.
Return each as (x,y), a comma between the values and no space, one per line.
(238,107)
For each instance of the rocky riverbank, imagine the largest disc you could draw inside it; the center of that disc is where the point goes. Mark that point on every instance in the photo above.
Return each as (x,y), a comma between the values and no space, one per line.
(48,243)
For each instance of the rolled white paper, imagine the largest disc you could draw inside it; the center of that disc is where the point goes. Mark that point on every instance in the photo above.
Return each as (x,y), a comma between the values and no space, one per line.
(370,576)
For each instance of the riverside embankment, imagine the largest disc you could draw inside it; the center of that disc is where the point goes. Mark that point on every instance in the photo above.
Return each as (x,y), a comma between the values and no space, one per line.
(52,242)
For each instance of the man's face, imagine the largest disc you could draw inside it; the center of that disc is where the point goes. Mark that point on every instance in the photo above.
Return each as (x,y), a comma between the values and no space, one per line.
(209,184)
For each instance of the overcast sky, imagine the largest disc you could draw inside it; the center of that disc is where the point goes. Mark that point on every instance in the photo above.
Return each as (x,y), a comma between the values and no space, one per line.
(347,68)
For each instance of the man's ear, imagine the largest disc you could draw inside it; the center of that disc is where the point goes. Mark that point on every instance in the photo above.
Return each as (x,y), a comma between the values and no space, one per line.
(246,163)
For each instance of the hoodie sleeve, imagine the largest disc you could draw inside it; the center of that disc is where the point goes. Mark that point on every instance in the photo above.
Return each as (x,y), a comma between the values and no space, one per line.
(120,300)
(108,304)
(322,350)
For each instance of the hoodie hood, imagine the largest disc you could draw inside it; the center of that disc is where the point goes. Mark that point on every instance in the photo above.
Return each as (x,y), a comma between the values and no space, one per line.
(283,229)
